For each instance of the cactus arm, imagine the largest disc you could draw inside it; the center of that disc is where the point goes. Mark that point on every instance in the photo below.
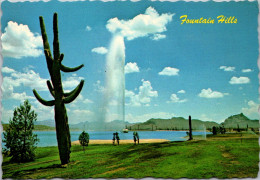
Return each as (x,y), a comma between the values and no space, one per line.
(51,89)
(68,69)
(73,94)
(61,57)
(44,35)
(74,90)
(56,45)
(43,101)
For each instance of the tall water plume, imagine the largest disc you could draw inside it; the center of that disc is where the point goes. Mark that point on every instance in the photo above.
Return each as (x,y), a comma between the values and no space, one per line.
(114,100)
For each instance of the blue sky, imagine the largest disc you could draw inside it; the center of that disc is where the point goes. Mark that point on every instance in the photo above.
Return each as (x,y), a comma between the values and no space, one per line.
(208,71)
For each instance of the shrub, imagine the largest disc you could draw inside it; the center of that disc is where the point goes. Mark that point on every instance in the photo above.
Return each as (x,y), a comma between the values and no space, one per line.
(84,139)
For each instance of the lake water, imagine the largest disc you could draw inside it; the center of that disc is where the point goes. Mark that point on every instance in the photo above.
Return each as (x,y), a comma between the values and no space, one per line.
(48,138)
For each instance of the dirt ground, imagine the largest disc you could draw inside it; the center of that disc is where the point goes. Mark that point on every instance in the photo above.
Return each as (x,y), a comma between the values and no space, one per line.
(122,141)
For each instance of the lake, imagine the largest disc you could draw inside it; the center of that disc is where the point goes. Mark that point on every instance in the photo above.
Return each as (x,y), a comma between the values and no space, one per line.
(48,138)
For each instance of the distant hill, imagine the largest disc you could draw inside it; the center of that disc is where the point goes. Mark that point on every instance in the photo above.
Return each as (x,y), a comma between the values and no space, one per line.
(241,120)
(49,122)
(36,127)
(175,123)
(118,125)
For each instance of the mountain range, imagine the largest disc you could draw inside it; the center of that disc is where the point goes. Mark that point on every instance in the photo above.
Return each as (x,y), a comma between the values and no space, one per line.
(175,123)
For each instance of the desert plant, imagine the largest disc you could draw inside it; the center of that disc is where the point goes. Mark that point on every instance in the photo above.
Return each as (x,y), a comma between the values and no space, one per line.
(55,87)
(84,139)
(19,138)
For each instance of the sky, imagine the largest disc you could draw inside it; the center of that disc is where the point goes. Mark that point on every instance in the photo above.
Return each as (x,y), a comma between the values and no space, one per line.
(172,68)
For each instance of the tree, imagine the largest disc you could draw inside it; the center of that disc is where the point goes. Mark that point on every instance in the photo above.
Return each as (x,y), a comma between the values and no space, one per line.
(84,139)
(54,65)
(19,138)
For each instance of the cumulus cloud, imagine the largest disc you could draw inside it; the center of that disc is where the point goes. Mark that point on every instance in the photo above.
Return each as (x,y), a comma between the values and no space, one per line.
(252,109)
(143,97)
(227,68)
(28,78)
(148,24)
(18,41)
(100,50)
(157,37)
(208,93)
(175,99)
(8,93)
(169,71)
(181,91)
(131,68)
(239,80)
(71,82)
(7,70)
(247,70)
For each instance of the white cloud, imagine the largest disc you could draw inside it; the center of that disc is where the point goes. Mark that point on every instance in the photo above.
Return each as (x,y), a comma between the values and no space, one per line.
(208,93)
(98,87)
(87,101)
(18,41)
(28,0)
(169,71)
(247,70)
(28,79)
(144,117)
(7,70)
(239,80)
(142,25)
(88,28)
(144,95)
(157,37)
(175,99)
(71,82)
(99,50)
(181,91)
(8,93)
(252,109)
(227,68)
(80,115)
(131,68)
(204,117)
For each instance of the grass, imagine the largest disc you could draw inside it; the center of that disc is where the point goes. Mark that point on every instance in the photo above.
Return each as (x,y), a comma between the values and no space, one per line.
(219,157)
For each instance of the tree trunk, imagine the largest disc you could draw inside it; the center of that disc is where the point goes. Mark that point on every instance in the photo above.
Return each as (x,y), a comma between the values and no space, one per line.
(190,128)
(62,132)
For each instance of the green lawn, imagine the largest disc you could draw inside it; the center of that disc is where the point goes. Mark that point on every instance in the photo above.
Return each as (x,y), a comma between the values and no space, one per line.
(219,158)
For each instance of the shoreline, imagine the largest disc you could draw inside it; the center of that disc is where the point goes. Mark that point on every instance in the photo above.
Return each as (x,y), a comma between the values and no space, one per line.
(125,141)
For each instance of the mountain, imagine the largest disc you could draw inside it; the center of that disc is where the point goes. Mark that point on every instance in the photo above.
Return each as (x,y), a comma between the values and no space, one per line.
(49,122)
(241,120)
(118,125)
(175,123)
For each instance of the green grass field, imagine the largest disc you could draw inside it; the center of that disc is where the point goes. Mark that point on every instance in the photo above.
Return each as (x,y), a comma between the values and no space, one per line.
(221,157)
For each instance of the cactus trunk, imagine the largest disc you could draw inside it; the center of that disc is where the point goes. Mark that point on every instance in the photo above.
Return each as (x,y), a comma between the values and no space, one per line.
(62,132)
(54,66)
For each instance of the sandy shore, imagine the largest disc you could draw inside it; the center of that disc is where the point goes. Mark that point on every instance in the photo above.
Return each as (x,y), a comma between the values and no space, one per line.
(123,141)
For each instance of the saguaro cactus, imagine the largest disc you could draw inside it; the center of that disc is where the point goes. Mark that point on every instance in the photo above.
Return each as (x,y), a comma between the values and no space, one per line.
(55,87)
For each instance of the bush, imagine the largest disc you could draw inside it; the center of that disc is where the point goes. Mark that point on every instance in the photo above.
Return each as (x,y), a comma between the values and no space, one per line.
(19,138)
(84,139)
